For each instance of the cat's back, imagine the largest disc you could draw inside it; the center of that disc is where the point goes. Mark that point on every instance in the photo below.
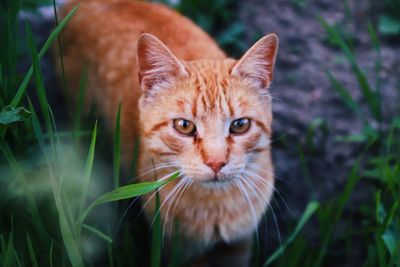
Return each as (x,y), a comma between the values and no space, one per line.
(112,24)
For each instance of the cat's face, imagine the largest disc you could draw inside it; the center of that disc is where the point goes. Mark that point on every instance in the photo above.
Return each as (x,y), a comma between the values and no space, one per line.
(210,119)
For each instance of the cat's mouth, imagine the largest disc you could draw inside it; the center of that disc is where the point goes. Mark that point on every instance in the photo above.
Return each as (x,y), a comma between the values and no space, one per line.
(218,180)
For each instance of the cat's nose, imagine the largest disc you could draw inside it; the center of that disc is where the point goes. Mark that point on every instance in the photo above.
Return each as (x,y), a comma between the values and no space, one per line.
(216,165)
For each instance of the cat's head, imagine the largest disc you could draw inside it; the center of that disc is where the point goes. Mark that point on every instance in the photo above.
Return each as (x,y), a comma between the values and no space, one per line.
(211,119)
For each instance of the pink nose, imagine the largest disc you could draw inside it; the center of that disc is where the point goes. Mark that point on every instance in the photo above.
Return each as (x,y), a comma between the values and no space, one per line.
(216,165)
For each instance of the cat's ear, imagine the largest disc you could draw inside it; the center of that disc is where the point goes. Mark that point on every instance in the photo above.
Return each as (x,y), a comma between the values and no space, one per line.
(258,62)
(157,66)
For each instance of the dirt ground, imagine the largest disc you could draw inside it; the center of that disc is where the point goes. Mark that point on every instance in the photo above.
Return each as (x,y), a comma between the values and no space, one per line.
(303,93)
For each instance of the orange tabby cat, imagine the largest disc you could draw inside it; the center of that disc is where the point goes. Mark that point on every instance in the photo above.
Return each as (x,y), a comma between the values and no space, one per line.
(197,112)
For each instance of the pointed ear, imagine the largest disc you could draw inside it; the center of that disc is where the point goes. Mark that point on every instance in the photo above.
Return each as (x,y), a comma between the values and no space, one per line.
(157,65)
(258,62)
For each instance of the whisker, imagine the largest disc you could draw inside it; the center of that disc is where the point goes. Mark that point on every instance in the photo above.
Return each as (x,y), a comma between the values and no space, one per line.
(271,186)
(262,169)
(174,189)
(153,195)
(181,196)
(273,211)
(248,200)
(131,204)
(273,97)
(123,216)
(158,167)
(259,196)
(254,188)
(171,201)
(125,212)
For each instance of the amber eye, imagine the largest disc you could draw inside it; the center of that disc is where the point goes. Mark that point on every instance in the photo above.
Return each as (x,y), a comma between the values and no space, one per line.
(185,127)
(240,126)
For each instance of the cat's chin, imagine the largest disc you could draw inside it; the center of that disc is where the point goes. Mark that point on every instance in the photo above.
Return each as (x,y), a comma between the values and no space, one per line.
(218,182)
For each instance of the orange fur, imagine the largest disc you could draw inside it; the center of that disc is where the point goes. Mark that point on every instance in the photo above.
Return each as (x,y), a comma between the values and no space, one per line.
(185,75)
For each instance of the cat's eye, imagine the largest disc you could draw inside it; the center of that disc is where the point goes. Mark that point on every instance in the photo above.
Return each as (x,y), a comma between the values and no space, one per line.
(185,127)
(240,126)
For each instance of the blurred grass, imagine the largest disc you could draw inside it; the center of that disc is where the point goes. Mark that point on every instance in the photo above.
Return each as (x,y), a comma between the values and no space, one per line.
(57,229)
(217,19)
(48,199)
(389,22)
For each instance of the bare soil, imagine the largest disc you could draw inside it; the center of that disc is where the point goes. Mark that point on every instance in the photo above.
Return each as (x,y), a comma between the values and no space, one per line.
(302,93)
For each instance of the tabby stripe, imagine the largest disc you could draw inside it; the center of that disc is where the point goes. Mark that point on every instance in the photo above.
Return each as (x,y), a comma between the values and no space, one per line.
(194,107)
(162,152)
(156,128)
(265,129)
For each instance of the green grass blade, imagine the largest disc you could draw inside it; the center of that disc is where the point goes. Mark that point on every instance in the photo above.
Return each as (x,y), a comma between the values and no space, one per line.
(97,232)
(370,96)
(77,120)
(156,235)
(51,253)
(395,258)
(342,91)
(378,61)
(378,208)
(338,40)
(21,90)
(32,254)
(37,129)
(368,93)
(374,37)
(310,210)
(132,190)
(38,77)
(110,255)
(8,254)
(67,233)
(17,260)
(390,215)
(88,168)
(54,126)
(390,242)
(39,84)
(306,171)
(127,191)
(37,220)
(336,212)
(315,125)
(117,148)
(8,48)
(60,52)
(2,243)
(174,258)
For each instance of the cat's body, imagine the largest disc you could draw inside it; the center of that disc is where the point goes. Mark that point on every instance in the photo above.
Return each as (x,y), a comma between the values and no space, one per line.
(226,177)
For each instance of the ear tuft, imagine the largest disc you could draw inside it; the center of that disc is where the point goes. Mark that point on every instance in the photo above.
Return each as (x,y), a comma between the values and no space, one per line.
(258,62)
(156,63)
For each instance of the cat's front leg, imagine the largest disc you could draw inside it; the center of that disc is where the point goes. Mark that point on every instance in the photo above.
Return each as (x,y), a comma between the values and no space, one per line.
(235,254)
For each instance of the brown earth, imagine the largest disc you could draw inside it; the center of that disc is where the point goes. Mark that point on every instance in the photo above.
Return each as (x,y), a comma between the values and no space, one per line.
(303,93)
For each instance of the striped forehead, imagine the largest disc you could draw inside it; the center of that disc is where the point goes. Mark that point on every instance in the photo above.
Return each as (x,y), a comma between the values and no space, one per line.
(209,92)
(211,95)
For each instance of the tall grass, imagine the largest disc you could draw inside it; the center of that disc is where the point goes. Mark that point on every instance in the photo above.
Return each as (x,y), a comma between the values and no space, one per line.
(51,226)
(376,230)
